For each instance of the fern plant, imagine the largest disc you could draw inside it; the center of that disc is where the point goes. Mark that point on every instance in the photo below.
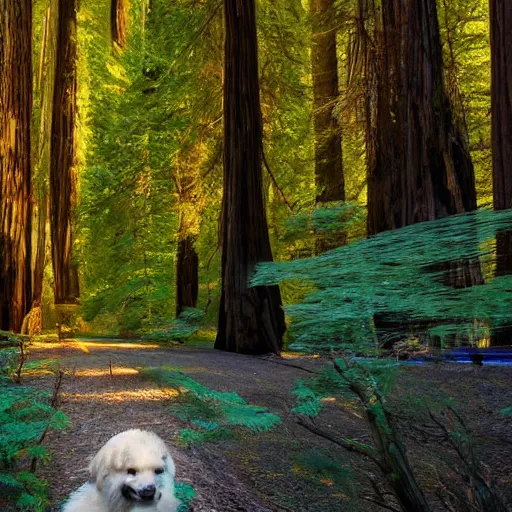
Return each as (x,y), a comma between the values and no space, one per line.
(25,415)
(211,415)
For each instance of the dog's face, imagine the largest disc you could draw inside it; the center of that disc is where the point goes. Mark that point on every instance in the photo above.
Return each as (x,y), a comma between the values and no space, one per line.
(133,468)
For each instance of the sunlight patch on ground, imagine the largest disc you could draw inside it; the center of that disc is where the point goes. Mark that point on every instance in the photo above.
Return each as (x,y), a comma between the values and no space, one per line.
(85,346)
(298,355)
(97,372)
(142,395)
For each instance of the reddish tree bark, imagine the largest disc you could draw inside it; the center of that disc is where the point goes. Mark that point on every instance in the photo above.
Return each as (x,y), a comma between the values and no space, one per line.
(15,170)
(63,157)
(118,21)
(419,163)
(251,320)
(501,101)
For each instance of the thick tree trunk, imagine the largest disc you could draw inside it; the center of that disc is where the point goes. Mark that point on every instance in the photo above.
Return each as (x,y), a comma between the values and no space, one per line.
(118,21)
(15,170)
(187,274)
(501,99)
(251,320)
(419,163)
(329,176)
(63,157)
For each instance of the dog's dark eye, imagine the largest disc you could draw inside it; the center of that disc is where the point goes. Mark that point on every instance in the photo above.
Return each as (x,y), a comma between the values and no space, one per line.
(159,471)
(132,471)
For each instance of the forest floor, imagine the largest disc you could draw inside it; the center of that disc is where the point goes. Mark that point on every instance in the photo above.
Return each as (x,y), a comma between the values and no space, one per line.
(253,473)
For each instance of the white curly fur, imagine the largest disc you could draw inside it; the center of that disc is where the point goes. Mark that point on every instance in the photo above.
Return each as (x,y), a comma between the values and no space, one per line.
(137,450)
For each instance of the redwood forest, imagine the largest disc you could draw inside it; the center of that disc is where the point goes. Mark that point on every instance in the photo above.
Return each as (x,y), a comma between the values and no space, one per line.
(276,233)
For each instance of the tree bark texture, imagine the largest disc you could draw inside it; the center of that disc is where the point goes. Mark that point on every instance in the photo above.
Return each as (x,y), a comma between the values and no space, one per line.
(41,159)
(329,178)
(63,179)
(419,163)
(501,102)
(251,320)
(118,22)
(15,167)
(324,64)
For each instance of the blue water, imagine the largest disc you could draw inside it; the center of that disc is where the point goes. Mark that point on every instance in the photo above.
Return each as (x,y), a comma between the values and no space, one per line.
(494,356)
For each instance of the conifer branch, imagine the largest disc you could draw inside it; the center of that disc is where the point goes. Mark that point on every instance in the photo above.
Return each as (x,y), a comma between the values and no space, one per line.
(348,445)
(274,181)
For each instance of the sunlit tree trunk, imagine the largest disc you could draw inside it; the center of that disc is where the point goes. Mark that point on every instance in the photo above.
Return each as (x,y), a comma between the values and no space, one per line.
(15,169)
(251,320)
(501,99)
(41,162)
(118,21)
(63,179)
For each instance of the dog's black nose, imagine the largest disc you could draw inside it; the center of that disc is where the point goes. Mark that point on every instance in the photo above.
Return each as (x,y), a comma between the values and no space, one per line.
(147,493)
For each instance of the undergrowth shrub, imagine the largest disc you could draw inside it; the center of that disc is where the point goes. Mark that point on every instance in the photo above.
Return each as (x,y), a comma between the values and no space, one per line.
(25,416)
(211,415)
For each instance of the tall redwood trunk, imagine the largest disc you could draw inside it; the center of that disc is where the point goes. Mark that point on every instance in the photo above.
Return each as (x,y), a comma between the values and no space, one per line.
(118,21)
(63,163)
(15,171)
(251,320)
(419,163)
(329,177)
(501,99)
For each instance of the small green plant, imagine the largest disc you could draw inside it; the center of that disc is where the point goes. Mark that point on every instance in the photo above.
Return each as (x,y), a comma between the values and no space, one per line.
(211,415)
(25,417)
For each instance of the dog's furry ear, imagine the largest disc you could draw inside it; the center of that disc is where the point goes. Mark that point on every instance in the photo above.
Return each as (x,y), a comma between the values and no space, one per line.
(95,467)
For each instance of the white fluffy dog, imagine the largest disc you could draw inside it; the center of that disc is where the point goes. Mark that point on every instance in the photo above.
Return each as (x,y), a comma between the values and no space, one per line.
(132,472)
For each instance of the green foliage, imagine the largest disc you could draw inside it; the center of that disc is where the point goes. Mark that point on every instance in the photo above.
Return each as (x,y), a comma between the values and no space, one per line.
(25,414)
(403,274)
(185,493)
(181,329)
(213,415)
(318,465)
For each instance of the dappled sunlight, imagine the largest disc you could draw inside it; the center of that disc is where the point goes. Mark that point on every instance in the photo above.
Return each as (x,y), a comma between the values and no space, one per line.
(298,355)
(141,395)
(85,346)
(97,372)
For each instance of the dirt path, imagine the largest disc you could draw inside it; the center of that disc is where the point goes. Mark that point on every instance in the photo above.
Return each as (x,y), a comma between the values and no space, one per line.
(255,473)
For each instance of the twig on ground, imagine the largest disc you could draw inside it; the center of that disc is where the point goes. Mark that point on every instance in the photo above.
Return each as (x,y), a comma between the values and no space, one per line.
(22,361)
(290,365)
(53,403)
